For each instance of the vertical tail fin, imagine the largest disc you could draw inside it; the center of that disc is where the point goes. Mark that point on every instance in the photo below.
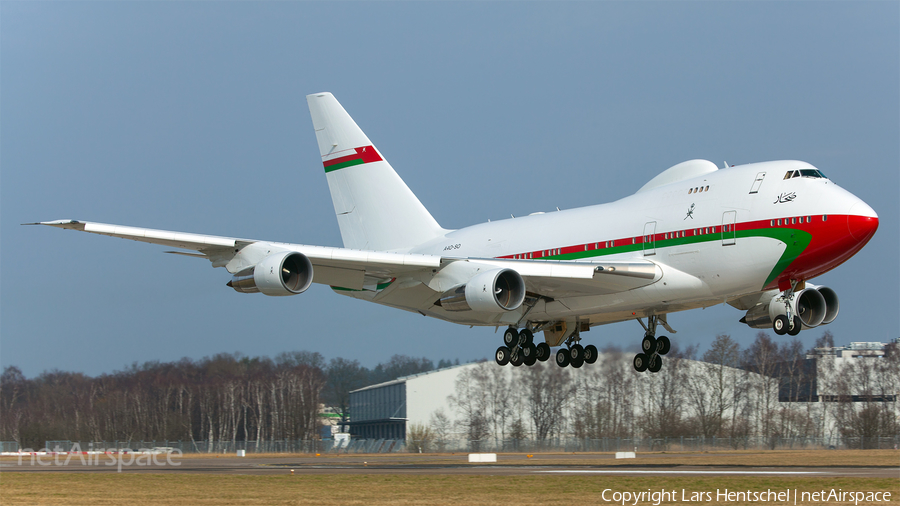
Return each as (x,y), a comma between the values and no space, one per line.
(375,209)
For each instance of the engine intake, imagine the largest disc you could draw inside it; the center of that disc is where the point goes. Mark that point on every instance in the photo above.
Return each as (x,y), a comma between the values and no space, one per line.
(287,273)
(490,291)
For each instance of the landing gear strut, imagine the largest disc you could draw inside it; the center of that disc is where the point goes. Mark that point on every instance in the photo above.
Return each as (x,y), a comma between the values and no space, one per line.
(652,347)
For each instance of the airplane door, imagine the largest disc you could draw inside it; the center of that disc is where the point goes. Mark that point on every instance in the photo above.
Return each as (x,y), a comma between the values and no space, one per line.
(728,231)
(757,182)
(649,239)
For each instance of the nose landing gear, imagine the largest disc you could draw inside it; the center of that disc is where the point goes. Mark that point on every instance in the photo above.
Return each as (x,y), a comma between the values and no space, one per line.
(788,323)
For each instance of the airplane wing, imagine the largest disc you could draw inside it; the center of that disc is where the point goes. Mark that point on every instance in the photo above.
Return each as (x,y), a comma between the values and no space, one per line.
(333,266)
(357,269)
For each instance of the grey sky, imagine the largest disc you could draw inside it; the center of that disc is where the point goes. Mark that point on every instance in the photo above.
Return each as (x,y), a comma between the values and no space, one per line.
(191,116)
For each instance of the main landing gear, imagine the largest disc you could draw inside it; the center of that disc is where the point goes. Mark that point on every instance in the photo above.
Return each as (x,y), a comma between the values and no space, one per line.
(519,349)
(574,354)
(650,359)
(787,323)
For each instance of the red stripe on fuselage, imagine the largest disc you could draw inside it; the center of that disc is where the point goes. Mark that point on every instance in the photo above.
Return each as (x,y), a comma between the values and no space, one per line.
(834,239)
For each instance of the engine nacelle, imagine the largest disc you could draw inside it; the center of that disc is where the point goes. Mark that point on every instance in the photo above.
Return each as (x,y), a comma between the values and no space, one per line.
(815,305)
(286,273)
(490,291)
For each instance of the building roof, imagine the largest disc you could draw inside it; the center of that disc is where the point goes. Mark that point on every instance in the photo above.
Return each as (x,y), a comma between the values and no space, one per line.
(403,379)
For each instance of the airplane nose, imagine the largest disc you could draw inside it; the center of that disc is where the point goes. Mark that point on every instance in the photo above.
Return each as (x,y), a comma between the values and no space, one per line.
(862,222)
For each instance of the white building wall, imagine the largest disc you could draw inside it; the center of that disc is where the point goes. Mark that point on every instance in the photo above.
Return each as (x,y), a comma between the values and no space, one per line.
(428,392)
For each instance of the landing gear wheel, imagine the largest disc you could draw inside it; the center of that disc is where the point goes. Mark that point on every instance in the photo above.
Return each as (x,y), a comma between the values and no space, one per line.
(798,325)
(576,354)
(502,355)
(648,345)
(518,359)
(590,354)
(640,362)
(511,337)
(780,325)
(526,337)
(655,364)
(543,352)
(530,360)
(528,351)
(562,357)
(663,345)
(577,362)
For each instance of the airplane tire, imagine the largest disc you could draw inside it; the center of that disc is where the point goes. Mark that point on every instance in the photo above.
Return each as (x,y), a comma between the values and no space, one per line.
(530,359)
(576,354)
(590,354)
(798,324)
(663,345)
(648,344)
(780,325)
(543,352)
(502,355)
(527,335)
(528,350)
(577,362)
(640,362)
(562,357)
(655,364)
(510,337)
(518,359)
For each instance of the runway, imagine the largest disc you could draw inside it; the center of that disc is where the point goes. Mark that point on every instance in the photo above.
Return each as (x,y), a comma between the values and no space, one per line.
(412,464)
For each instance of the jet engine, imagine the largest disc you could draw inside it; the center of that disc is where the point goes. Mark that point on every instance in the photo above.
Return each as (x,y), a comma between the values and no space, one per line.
(815,305)
(490,291)
(286,273)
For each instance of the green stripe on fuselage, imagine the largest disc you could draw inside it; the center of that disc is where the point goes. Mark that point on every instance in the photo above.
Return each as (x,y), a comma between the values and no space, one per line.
(795,242)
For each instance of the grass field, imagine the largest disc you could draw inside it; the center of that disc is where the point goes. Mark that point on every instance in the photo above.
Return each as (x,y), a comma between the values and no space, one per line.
(175,488)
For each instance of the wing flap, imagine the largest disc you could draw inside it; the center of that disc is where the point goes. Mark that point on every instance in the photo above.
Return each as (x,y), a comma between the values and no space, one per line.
(571,279)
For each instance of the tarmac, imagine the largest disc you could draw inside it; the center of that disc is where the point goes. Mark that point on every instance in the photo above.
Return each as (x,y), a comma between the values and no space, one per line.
(447,464)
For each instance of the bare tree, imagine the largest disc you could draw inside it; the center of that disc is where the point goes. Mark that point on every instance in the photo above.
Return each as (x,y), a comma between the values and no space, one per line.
(547,389)
(343,376)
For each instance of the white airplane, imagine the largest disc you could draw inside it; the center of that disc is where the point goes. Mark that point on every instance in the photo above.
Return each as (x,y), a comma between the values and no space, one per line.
(692,237)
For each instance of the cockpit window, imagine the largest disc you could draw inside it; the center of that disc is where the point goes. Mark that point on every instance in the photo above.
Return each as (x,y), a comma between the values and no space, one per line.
(811,173)
(814,173)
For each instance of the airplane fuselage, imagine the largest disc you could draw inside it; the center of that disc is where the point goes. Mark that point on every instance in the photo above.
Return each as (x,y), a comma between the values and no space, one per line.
(716,237)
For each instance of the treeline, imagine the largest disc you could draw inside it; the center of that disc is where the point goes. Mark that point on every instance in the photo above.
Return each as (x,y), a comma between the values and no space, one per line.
(221,398)
(768,391)
(726,391)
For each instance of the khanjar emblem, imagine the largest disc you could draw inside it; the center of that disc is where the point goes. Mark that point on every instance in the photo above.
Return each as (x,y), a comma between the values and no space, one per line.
(690,213)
